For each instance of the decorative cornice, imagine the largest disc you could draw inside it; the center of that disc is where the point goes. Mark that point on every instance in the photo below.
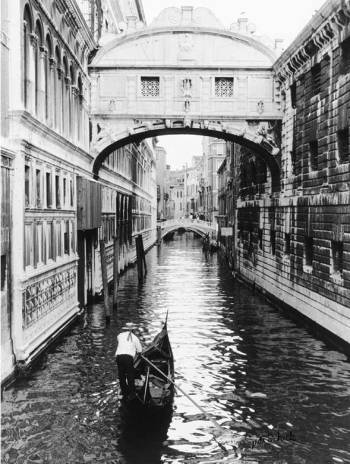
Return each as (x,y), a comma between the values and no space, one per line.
(326,25)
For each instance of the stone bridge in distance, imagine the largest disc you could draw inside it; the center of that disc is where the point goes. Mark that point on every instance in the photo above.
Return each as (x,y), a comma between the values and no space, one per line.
(193,225)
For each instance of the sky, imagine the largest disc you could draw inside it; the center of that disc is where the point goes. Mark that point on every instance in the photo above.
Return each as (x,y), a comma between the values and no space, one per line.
(280,19)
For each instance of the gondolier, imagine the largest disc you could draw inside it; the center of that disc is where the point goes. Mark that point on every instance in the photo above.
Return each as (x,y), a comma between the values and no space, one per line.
(128,346)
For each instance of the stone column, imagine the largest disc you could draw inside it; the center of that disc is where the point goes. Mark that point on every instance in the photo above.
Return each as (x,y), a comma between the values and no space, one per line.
(59,99)
(41,84)
(66,107)
(75,111)
(51,85)
(31,74)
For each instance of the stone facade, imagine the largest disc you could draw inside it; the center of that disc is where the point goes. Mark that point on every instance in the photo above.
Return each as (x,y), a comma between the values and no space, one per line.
(49,234)
(294,243)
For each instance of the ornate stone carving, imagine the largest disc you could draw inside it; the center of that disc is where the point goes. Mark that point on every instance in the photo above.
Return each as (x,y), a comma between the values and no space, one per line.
(186,46)
(260,107)
(43,296)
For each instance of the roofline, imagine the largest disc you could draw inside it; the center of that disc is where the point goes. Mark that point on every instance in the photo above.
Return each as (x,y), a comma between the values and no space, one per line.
(129,37)
(325,17)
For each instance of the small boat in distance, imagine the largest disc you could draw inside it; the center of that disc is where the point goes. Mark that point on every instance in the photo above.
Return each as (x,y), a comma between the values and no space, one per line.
(154,391)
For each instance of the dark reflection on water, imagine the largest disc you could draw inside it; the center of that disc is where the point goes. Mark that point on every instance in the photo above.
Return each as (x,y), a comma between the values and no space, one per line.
(283,393)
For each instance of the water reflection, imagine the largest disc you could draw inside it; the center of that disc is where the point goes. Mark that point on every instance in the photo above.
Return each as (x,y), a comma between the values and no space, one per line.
(251,369)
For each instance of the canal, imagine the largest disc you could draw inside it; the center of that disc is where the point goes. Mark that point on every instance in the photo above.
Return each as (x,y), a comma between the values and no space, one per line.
(284,394)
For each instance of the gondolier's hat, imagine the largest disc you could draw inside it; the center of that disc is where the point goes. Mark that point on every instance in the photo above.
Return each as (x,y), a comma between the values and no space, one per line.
(129,326)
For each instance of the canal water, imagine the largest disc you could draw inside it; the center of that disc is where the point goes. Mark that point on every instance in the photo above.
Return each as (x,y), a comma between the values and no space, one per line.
(284,395)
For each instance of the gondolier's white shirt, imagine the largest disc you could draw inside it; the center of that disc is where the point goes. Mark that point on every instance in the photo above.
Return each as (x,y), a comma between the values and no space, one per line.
(128,343)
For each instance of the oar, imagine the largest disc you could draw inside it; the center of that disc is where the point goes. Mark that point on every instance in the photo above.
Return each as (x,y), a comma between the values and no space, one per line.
(213,421)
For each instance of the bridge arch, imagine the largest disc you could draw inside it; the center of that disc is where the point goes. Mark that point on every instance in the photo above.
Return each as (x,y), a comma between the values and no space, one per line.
(258,143)
(186,74)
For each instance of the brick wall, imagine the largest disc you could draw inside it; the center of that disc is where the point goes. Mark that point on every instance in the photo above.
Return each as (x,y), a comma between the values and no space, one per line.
(295,243)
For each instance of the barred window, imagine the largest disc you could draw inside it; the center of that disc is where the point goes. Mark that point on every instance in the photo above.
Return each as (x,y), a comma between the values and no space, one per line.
(337,256)
(316,79)
(150,86)
(313,149)
(344,66)
(224,87)
(343,145)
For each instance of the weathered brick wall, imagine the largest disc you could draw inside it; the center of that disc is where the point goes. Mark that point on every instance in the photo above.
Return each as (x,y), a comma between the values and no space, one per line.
(295,244)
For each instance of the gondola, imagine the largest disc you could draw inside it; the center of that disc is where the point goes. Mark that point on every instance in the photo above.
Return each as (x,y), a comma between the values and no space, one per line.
(153,390)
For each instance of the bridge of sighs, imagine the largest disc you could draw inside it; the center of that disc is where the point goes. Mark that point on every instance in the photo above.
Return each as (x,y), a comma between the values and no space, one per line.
(186,74)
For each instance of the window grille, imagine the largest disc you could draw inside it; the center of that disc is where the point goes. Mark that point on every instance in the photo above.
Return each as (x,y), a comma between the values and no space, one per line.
(287,244)
(337,256)
(308,250)
(224,87)
(293,95)
(150,86)
(273,241)
(316,79)
(343,145)
(344,66)
(313,148)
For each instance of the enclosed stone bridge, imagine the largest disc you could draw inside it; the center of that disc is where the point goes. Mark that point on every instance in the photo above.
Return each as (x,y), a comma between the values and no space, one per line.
(201,228)
(186,74)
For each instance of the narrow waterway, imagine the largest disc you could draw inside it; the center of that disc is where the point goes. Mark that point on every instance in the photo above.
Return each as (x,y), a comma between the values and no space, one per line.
(284,394)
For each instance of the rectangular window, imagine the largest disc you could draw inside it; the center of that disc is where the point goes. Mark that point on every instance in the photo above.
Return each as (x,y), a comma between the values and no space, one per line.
(313,150)
(3,271)
(308,250)
(64,191)
(66,238)
(35,245)
(316,79)
(58,191)
(48,191)
(337,256)
(72,231)
(43,245)
(287,244)
(273,241)
(71,192)
(28,245)
(27,185)
(344,67)
(293,95)
(51,241)
(59,239)
(38,187)
(343,145)
(150,86)
(224,87)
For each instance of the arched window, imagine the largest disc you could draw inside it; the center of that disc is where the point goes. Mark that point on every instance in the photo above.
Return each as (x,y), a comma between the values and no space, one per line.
(58,91)
(27,30)
(49,94)
(38,69)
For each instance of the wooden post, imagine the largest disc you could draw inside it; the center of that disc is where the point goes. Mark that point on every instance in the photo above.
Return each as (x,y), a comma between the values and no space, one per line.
(115,269)
(139,258)
(159,235)
(105,280)
(143,255)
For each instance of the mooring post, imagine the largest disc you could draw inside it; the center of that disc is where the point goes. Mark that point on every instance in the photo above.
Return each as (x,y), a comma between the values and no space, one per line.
(139,258)
(105,280)
(115,268)
(143,254)
(159,235)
